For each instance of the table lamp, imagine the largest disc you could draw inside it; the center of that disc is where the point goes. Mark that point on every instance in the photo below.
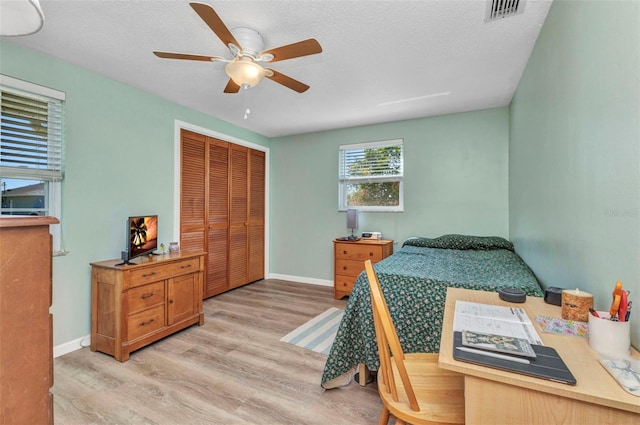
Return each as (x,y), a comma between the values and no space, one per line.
(352,222)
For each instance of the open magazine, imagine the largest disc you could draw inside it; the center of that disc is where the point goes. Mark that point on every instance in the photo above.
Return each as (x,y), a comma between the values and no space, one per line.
(495,320)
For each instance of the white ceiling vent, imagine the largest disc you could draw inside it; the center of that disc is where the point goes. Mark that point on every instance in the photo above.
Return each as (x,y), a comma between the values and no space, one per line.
(498,9)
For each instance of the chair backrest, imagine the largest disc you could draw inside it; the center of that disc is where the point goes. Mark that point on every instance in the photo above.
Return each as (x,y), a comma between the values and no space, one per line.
(389,348)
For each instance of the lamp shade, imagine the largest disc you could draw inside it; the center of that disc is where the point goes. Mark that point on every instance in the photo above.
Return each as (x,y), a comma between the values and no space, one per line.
(352,219)
(20,17)
(244,71)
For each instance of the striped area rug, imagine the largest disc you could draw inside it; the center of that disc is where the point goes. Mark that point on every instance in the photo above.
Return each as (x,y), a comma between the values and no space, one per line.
(318,333)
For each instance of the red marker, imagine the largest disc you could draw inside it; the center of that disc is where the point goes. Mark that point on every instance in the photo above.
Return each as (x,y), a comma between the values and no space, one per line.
(624,305)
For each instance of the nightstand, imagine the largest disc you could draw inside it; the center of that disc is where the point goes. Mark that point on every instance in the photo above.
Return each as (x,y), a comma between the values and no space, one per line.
(349,258)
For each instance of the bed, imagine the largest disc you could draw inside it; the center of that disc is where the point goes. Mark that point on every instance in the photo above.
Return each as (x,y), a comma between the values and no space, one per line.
(414,281)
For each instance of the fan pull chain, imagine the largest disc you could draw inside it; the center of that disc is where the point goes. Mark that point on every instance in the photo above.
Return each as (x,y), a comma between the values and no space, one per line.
(247,111)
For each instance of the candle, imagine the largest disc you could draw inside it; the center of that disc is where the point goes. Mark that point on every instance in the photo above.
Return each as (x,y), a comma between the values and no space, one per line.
(576,305)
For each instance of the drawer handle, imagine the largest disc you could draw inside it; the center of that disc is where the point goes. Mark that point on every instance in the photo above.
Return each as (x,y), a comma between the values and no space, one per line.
(344,252)
(149,274)
(371,254)
(344,267)
(186,267)
(147,322)
(170,301)
(147,295)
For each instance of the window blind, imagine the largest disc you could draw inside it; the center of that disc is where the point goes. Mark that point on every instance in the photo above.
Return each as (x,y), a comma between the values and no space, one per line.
(371,162)
(30,137)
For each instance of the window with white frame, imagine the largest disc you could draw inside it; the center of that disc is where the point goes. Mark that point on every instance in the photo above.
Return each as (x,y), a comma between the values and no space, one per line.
(370,176)
(31,151)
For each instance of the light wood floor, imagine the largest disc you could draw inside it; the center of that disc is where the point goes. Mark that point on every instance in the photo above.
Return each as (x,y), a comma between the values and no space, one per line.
(232,370)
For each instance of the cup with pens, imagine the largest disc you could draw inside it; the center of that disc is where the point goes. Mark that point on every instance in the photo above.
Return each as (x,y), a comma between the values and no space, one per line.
(610,331)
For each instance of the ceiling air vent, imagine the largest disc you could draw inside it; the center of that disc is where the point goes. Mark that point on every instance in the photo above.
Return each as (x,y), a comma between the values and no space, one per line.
(498,9)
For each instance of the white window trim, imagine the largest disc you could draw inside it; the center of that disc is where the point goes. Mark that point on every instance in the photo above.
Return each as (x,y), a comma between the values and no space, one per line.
(30,87)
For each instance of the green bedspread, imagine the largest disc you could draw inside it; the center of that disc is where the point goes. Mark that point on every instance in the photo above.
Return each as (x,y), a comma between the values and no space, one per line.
(414,281)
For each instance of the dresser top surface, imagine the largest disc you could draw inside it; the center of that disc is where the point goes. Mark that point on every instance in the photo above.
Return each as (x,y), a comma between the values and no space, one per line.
(26,221)
(148,260)
(364,241)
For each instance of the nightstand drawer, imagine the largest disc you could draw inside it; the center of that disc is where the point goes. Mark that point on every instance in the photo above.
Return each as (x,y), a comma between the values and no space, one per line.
(349,267)
(361,252)
(345,283)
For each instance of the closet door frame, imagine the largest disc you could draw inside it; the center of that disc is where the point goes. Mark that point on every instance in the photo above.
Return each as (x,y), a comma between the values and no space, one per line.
(181,125)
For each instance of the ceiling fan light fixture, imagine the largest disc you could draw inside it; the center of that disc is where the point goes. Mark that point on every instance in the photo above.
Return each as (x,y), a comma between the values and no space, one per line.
(244,71)
(20,17)
(247,46)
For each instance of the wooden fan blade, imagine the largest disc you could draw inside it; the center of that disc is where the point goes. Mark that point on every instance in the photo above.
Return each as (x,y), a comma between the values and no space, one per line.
(294,50)
(232,87)
(211,18)
(286,81)
(168,55)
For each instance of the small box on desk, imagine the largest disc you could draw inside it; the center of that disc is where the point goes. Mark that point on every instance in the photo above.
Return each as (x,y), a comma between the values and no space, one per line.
(553,295)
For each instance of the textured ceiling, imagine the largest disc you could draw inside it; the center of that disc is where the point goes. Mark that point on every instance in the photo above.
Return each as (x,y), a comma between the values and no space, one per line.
(382,60)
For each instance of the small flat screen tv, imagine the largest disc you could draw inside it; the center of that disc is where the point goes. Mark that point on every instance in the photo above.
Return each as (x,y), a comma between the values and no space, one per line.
(142,237)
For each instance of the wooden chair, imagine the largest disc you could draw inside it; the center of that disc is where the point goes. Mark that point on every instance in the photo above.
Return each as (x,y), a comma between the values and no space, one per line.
(412,386)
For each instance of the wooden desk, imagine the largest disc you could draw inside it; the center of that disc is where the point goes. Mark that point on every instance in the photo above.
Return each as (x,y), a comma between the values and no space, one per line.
(498,397)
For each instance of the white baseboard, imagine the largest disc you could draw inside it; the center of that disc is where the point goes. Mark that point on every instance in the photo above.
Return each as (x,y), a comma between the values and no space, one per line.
(312,281)
(70,346)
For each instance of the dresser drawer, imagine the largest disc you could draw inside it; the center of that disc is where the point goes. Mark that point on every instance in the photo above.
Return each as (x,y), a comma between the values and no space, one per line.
(145,322)
(361,252)
(163,271)
(344,283)
(183,267)
(349,267)
(143,297)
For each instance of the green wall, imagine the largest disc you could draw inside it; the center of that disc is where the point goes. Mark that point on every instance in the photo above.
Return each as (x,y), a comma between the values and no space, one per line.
(574,210)
(456,171)
(119,162)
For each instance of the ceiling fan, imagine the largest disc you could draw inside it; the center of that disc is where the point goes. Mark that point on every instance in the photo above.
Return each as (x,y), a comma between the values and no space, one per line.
(246,46)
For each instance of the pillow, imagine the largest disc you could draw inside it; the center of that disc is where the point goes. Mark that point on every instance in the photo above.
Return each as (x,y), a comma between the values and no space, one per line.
(462,242)
(418,241)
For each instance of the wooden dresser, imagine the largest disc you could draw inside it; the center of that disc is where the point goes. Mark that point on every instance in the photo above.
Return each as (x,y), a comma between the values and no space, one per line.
(26,334)
(349,258)
(135,305)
